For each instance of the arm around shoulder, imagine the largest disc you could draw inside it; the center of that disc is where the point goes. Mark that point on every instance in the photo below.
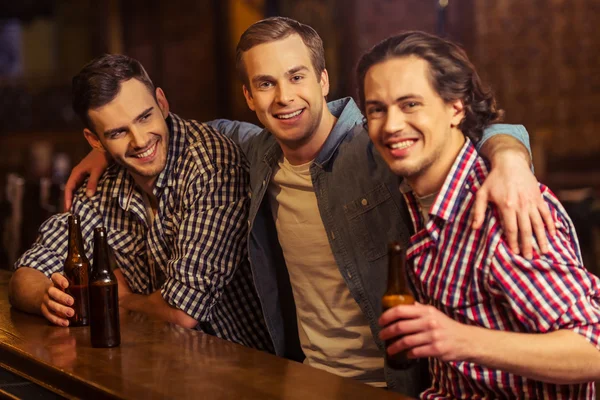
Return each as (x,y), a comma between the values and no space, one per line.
(553,295)
(499,137)
(240,132)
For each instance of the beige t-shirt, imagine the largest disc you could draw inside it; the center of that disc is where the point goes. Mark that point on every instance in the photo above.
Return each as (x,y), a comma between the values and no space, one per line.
(425,203)
(334,333)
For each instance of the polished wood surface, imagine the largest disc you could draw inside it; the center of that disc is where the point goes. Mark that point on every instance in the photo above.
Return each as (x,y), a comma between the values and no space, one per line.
(157,360)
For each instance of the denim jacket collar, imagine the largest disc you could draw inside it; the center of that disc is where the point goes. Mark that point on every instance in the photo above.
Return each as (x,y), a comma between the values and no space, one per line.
(273,153)
(348,115)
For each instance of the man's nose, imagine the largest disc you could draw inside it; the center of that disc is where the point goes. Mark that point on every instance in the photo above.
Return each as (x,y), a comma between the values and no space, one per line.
(395,120)
(138,138)
(285,93)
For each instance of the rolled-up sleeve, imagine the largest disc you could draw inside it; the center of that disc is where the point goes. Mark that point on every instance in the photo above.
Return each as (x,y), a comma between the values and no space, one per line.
(49,251)
(517,131)
(552,291)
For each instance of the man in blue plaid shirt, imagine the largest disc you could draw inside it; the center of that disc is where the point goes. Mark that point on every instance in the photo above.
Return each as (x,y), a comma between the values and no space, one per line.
(174,205)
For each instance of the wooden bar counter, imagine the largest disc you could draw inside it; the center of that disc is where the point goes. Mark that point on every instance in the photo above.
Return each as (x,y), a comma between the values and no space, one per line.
(157,360)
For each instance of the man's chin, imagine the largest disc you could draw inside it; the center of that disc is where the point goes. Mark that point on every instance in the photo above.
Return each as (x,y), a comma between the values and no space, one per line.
(404,169)
(149,172)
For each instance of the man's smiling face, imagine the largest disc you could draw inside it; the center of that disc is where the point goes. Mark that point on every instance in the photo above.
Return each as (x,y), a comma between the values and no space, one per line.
(132,129)
(285,91)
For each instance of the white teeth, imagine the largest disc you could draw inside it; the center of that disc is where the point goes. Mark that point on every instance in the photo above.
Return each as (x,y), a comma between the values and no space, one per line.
(146,153)
(401,145)
(290,115)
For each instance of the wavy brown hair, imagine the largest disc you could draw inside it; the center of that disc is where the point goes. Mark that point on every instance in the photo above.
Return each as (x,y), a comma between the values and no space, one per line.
(451,74)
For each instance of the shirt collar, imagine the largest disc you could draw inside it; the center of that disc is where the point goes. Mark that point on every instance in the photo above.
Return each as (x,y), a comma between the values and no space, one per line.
(177,140)
(456,184)
(125,188)
(454,189)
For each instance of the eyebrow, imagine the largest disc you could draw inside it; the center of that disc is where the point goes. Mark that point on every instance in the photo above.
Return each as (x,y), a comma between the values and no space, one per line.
(295,70)
(290,72)
(122,128)
(398,100)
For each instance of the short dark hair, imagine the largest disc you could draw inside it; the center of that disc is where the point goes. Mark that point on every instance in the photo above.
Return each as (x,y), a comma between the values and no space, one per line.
(99,82)
(278,28)
(451,74)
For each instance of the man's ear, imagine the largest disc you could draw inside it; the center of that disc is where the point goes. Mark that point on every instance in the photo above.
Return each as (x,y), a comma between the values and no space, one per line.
(249,98)
(325,82)
(163,104)
(457,109)
(93,140)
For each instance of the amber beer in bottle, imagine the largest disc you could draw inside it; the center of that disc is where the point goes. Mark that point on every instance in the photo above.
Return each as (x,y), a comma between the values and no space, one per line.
(396,294)
(104,298)
(77,269)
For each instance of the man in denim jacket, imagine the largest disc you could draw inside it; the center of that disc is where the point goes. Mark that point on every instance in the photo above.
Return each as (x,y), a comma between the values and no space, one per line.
(324,205)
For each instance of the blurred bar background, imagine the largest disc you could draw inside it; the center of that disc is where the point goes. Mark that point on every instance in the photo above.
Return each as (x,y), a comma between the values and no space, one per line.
(540,56)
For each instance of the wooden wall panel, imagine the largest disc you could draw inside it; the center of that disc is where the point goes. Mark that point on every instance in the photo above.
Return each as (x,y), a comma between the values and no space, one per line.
(368,22)
(175,41)
(543,58)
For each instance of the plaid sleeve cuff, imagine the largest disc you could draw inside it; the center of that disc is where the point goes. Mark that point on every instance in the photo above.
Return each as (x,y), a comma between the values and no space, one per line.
(583,318)
(195,303)
(39,258)
(48,253)
(591,333)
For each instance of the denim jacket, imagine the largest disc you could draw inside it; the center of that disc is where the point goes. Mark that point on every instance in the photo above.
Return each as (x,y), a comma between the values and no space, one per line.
(362,210)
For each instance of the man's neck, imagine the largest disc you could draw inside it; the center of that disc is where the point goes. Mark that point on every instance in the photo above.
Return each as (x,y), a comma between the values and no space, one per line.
(308,151)
(431,180)
(147,186)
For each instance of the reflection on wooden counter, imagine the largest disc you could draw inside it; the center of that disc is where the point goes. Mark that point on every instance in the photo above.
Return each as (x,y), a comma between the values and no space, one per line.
(157,360)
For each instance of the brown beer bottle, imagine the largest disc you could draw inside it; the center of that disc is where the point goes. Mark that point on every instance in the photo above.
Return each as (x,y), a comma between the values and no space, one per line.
(104,298)
(396,293)
(77,269)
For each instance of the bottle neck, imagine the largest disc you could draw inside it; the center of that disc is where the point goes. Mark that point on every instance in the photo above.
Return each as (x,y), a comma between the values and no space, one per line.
(101,265)
(397,273)
(76,250)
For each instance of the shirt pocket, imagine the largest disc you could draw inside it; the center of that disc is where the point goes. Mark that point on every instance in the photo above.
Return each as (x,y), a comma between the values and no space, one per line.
(374,220)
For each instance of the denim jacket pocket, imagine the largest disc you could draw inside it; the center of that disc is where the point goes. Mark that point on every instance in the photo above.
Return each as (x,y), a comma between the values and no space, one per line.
(371,218)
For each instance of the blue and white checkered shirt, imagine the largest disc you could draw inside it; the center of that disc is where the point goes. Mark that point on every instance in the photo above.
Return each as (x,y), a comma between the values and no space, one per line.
(196,242)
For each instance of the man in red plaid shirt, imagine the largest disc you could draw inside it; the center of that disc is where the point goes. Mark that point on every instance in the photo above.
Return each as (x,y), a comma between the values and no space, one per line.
(493,323)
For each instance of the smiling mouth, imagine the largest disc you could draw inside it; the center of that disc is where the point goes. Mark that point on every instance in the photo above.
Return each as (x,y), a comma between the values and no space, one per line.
(289,115)
(401,145)
(146,153)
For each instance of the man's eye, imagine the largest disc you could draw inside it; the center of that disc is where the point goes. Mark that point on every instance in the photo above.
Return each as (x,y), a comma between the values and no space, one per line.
(145,117)
(411,105)
(265,85)
(375,111)
(116,135)
(297,78)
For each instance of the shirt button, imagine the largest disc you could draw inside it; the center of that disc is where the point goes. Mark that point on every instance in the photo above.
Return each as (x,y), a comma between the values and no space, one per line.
(249,195)
(364,202)
(264,183)
(248,223)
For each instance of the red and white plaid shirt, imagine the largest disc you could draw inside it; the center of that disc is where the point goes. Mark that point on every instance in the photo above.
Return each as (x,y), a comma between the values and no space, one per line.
(473,277)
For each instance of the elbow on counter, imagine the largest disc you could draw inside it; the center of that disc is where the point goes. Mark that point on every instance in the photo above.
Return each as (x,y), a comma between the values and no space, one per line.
(13,285)
(184,320)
